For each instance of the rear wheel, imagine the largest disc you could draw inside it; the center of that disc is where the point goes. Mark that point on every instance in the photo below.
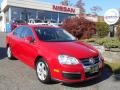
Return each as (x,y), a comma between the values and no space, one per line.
(9,53)
(42,71)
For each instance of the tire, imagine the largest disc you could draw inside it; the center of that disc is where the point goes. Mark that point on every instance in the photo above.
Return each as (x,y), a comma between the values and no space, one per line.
(9,53)
(43,72)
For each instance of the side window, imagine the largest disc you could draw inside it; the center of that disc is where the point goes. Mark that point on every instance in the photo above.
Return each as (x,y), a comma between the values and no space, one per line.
(17,32)
(27,32)
(22,33)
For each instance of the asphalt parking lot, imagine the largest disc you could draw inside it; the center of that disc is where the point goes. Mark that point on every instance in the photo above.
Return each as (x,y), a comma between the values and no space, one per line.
(14,75)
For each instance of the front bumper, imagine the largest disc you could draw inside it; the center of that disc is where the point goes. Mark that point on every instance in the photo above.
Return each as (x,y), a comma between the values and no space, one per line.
(74,74)
(74,78)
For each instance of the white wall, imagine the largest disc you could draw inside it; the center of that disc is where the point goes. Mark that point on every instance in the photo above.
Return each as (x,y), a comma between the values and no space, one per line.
(2,22)
(32,4)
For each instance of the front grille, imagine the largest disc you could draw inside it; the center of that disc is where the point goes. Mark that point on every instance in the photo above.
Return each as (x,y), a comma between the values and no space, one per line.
(86,62)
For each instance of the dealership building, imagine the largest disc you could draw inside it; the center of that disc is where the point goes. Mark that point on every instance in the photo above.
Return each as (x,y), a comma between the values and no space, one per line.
(33,9)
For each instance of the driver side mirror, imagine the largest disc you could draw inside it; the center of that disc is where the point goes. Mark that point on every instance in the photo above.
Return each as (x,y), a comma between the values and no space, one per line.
(29,39)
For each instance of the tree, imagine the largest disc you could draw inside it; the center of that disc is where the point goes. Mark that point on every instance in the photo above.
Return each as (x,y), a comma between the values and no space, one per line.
(102,29)
(118,31)
(79,27)
(65,2)
(96,9)
(80,5)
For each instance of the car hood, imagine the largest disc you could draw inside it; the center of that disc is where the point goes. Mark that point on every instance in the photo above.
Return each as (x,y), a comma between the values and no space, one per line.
(76,49)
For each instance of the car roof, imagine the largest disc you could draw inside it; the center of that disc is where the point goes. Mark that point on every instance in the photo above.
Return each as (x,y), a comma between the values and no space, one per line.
(41,26)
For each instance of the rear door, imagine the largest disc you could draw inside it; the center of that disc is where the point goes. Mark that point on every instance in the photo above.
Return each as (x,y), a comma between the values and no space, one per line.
(15,42)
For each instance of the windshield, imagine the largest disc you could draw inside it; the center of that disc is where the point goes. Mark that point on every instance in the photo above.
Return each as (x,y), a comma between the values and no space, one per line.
(54,35)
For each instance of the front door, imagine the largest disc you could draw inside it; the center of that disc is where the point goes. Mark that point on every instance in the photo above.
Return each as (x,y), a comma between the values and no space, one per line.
(29,51)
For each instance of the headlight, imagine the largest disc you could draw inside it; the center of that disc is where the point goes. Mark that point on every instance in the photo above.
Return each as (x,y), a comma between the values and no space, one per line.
(65,59)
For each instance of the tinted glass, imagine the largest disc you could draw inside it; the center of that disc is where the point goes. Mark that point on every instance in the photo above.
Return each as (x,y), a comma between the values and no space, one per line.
(25,14)
(54,34)
(27,32)
(17,32)
(38,21)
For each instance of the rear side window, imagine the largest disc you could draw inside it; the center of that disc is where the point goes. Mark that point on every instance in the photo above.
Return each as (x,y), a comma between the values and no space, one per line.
(17,32)
(23,31)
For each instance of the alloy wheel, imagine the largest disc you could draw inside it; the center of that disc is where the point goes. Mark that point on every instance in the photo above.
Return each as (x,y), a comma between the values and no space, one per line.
(42,71)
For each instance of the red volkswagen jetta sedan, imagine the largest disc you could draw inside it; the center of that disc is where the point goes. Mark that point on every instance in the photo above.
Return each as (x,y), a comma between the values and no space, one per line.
(54,54)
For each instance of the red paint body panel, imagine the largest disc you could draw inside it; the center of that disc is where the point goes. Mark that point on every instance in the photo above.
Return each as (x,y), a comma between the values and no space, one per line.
(27,53)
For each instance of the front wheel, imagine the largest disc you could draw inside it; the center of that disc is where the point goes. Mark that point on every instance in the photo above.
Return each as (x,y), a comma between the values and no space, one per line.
(42,71)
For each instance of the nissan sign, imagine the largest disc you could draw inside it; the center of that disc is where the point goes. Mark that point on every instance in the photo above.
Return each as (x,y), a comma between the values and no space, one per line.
(111,16)
(63,9)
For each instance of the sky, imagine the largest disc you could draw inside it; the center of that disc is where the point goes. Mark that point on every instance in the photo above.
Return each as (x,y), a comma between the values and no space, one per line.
(104,4)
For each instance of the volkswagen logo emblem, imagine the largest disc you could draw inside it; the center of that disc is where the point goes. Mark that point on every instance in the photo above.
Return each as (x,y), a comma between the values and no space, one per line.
(92,61)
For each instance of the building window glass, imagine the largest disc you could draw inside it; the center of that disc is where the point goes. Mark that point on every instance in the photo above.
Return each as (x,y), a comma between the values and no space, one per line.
(26,14)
